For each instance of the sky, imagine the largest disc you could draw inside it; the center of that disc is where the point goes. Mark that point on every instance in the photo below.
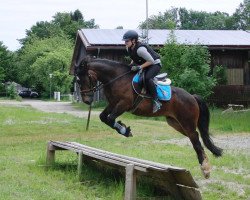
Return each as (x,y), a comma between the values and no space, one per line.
(17,16)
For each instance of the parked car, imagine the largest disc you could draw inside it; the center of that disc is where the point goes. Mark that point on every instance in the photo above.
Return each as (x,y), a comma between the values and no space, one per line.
(28,94)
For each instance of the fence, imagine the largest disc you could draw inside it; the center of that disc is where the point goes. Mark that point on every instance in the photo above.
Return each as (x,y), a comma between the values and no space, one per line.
(177,181)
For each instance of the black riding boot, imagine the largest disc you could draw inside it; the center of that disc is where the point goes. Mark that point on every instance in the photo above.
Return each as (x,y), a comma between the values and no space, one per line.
(152,90)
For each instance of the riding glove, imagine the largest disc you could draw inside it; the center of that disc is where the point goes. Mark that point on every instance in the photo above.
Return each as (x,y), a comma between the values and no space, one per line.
(135,68)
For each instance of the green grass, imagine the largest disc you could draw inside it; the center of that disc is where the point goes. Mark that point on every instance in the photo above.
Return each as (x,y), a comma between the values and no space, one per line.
(230,122)
(24,133)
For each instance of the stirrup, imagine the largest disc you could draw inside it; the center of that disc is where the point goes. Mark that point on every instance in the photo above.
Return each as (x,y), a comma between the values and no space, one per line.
(156,106)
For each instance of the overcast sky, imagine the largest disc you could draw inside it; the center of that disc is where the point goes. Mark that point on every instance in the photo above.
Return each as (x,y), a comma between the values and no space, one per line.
(16,16)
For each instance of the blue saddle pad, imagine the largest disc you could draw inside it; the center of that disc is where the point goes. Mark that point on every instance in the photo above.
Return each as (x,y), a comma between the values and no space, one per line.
(163,91)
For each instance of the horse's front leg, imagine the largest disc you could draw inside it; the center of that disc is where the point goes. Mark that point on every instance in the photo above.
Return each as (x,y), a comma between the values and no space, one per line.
(109,115)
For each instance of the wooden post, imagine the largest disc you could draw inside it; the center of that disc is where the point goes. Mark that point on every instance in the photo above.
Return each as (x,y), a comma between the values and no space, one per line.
(130,185)
(50,160)
(80,164)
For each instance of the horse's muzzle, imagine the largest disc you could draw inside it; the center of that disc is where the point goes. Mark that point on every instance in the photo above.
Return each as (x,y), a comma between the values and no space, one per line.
(88,102)
(88,99)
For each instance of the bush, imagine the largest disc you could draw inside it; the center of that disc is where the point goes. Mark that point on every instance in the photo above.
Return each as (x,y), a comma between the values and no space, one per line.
(219,72)
(11,91)
(188,67)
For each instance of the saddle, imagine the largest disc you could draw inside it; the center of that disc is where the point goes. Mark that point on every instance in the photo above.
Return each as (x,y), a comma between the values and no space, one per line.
(162,86)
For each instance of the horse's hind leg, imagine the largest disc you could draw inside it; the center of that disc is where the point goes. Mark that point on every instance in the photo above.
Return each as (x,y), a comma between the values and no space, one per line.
(193,136)
(202,157)
(175,124)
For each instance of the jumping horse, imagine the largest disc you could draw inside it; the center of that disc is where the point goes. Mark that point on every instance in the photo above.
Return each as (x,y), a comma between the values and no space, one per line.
(184,112)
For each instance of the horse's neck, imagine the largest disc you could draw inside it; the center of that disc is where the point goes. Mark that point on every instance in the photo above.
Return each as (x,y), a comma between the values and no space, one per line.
(105,73)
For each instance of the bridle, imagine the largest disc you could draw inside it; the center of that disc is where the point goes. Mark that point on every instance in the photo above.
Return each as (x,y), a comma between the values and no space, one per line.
(100,85)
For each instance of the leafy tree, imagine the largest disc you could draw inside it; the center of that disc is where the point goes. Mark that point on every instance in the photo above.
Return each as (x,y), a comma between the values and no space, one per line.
(71,22)
(191,20)
(7,72)
(41,30)
(166,20)
(62,24)
(219,72)
(188,67)
(47,49)
(241,17)
(39,58)
(181,18)
(196,20)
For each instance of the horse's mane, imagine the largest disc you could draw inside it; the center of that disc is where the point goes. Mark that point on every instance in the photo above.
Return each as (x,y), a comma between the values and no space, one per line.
(112,63)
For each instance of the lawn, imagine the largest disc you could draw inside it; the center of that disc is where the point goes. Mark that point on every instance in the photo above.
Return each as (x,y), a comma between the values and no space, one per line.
(24,133)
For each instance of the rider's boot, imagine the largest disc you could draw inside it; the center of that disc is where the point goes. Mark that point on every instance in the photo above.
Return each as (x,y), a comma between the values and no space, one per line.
(156,105)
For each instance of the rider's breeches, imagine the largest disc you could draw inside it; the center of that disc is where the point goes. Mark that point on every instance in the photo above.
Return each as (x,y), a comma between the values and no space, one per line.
(150,73)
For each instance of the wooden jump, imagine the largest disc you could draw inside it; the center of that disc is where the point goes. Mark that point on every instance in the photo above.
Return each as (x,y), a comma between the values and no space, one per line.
(177,181)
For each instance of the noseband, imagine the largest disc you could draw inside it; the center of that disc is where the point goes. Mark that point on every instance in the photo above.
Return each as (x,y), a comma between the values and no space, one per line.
(91,84)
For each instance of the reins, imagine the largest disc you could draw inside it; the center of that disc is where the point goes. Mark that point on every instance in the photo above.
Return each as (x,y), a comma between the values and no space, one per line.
(101,85)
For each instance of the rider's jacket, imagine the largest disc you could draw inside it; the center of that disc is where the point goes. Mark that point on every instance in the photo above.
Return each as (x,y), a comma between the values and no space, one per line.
(139,60)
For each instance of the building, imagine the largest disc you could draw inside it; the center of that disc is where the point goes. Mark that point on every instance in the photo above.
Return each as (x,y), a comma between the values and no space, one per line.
(229,48)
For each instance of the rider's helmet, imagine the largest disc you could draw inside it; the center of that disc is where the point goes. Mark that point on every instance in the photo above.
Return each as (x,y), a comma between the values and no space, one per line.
(130,35)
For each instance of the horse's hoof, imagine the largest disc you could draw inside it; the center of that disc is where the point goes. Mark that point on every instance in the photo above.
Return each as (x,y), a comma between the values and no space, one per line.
(206,169)
(206,174)
(128,132)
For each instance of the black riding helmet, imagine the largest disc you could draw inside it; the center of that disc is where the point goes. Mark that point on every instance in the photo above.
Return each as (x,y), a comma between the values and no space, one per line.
(130,35)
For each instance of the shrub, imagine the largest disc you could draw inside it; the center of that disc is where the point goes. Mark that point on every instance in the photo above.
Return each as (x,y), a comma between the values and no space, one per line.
(11,91)
(188,67)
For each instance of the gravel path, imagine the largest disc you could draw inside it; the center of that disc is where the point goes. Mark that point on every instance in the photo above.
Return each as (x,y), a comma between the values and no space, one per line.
(232,142)
(54,107)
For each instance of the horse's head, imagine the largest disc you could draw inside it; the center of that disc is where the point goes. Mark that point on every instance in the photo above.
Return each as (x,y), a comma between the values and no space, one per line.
(86,80)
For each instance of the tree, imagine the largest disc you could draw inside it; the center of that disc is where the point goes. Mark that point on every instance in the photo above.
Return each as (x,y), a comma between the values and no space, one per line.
(241,17)
(7,72)
(188,67)
(166,20)
(71,22)
(181,18)
(62,24)
(47,49)
(39,58)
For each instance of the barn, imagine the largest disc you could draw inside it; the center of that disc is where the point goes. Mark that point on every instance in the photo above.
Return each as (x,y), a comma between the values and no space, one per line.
(229,48)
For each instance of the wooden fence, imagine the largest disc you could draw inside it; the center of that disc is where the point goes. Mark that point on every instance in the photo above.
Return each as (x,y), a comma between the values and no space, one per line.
(178,182)
(231,94)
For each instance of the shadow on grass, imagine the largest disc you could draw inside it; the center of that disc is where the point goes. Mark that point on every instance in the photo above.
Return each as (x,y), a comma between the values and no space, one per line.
(103,176)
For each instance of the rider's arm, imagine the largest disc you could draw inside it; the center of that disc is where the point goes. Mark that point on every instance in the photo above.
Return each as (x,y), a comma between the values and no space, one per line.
(142,52)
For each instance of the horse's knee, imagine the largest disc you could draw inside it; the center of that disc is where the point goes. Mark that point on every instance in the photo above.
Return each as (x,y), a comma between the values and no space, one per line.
(110,120)
(103,117)
(107,119)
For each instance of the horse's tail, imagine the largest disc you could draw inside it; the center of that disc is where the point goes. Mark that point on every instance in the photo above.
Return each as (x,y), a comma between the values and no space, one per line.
(203,126)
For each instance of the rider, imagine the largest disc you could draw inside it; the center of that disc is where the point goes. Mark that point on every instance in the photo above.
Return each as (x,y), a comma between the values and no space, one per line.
(144,58)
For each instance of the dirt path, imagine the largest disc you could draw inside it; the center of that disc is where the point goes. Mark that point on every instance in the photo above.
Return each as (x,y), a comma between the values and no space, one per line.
(54,107)
(232,142)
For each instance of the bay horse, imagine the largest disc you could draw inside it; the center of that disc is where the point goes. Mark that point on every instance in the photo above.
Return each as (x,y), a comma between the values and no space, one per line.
(184,112)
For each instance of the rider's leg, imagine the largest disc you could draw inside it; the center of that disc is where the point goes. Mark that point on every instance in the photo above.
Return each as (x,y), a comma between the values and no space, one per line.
(150,73)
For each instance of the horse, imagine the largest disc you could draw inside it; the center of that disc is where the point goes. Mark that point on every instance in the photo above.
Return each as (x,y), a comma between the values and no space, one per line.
(184,112)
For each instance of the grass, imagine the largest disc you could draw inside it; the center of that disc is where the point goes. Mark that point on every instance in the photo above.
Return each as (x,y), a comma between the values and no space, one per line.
(24,133)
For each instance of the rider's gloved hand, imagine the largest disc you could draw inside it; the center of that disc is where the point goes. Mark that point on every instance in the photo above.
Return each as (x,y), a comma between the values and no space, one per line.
(135,68)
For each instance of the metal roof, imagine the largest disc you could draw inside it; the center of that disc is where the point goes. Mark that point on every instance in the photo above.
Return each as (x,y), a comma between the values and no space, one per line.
(113,37)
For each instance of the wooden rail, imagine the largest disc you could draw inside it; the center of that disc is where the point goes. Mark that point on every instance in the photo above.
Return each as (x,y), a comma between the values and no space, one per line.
(176,181)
